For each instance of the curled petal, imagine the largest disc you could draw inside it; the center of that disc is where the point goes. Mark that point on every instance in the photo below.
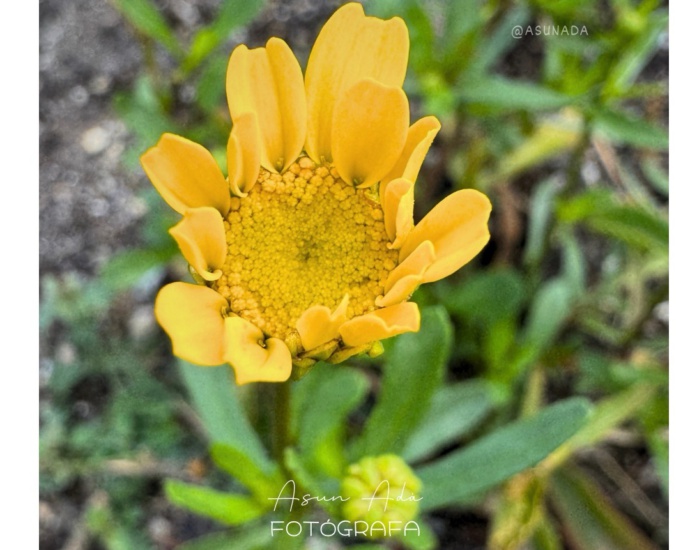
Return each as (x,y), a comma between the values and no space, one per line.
(349,48)
(268,82)
(398,210)
(405,278)
(457,227)
(253,359)
(419,138)
(244,154)
(186,175)
(369,127)
(380,324)
(317,325)
(192,316)
(201,238)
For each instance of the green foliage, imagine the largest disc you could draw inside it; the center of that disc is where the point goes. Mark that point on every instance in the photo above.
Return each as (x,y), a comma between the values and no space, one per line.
(215,396)
(492,459)
(227,508)
(454,411)
(322,401)
(145,17)
(589,518)
(413,370)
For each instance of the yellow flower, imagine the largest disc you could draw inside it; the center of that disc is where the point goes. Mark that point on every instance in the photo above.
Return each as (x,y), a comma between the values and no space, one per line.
(308,250)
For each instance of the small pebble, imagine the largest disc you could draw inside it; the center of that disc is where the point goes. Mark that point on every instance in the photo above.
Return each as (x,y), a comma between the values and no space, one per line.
(95,140)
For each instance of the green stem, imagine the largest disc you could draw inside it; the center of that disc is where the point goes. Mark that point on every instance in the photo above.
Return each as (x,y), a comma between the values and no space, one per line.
(281,422)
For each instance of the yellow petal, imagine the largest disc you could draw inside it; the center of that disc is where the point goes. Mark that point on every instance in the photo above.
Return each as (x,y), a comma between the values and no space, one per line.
(186,175)
(419,138)
(192,316)
(244,154)
(317,325)
(268,82)
(380,324)
(253,359)
(201,238)
(457,227)
(370,123)
(407,276)
(398,210)
(390,200)
(349,48)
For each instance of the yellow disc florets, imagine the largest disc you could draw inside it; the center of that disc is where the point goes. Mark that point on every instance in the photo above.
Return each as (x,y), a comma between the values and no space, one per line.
(299,239)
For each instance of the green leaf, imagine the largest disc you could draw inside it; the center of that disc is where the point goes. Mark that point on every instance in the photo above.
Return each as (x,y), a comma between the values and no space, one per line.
(486,298)
(413,370)
(127,268)
(214,395)
(462,18)
(498,456)
(228,508)
(551,138)
(231,15)
(503,93)
(312,484)
(635,57)
(145,17)
(540,215)
(630,223)
(551,307)
(211,86)
(254,538)
(144,115)
(589,518)
(546,537)
(574,263)
(658,443)
(656,175)
(492,47)
(262,483)
(425,541)
(454,411)
(608,414)
(322,401)
(621,127)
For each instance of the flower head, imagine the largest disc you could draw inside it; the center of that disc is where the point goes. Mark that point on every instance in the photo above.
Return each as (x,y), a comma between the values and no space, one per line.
(308,250)
(381,488)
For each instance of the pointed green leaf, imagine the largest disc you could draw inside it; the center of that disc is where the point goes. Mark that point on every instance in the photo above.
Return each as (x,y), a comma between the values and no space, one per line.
(314,485)
(413,370)
(454,411)
(506,94)
(145,17)
(540,218)
(486,298)
(262,483)
(322,402)
(228,508)
(608,414)
(503,453)
(214,395)
(622,127)
(588,516)
(231,15)
(628,222)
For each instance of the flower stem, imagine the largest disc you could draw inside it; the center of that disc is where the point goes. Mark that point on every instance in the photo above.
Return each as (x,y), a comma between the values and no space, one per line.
(281,421)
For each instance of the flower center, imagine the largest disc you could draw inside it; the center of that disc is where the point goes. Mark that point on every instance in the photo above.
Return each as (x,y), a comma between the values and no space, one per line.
(299,239)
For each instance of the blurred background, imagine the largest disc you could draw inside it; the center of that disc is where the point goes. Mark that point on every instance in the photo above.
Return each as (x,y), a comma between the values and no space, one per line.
(566,133)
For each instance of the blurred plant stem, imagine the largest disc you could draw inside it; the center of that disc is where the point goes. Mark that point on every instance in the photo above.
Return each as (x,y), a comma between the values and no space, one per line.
(575,164)
(534,391)
(281,422)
